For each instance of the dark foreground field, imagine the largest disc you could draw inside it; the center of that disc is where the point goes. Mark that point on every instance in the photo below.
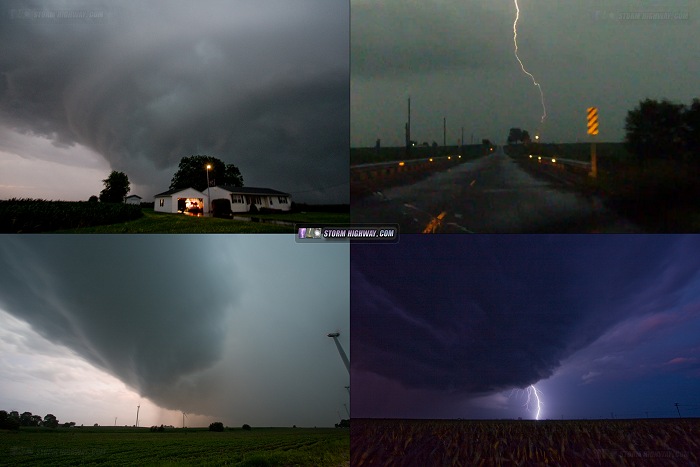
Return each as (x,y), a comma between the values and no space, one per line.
(510,442)
(139,446)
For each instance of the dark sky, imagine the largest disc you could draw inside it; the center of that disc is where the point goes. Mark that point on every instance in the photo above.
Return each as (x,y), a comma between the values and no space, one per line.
(230,328)
(455,58)
(451,326)
(260,84)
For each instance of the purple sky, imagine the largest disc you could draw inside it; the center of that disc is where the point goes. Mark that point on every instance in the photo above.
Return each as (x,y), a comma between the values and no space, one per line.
(457,327)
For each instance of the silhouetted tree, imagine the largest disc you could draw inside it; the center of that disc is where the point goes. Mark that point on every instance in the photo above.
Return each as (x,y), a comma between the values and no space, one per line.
(192,172)
(514,135)
(247,427)
(691,120)
(655,130)
(116,188)
(50,421)
(216,426)
(93,199)
(8,422)
(26,419)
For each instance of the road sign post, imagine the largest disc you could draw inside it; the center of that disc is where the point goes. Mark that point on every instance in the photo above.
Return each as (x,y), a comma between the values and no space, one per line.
(593,131)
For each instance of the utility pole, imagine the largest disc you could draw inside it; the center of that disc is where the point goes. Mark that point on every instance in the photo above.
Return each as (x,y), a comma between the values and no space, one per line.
(444,131)
(408,129)
(679,410)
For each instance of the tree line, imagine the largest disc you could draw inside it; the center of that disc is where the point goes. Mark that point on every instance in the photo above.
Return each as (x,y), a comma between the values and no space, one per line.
(654,130)
(192,172)
(13,420)
(664,130)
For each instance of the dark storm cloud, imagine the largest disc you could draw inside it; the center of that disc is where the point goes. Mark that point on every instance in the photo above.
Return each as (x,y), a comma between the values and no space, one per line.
(225,326)
(480,314)
(398,38)
(121,306)
(263,86)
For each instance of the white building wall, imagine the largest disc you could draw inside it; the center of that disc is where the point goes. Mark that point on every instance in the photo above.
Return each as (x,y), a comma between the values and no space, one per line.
(167,204)
(170,202)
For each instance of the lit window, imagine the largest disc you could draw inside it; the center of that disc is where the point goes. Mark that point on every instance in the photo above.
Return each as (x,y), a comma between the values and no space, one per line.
(162,202)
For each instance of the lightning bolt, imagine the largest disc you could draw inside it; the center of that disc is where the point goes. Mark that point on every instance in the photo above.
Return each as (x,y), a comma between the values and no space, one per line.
(532,390)
(515,42)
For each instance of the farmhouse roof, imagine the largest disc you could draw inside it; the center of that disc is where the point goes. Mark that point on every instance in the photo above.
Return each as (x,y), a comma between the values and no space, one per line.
(173,191)
(133,196)
(249,190)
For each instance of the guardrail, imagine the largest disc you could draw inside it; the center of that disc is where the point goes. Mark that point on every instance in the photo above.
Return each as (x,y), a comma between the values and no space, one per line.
(383,170)
(570,165)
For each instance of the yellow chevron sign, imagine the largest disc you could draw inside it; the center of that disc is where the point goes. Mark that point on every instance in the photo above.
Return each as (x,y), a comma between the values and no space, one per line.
(593,120)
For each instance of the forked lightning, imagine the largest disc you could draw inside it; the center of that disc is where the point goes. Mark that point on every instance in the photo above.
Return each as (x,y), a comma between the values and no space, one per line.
(515,42)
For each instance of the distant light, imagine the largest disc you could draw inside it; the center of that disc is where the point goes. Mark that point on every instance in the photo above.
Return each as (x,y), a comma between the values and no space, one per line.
(402,163)
(208,166)
(553,159)
(449,158)
(460,157)
(530,156)
(431,159)
(539,158)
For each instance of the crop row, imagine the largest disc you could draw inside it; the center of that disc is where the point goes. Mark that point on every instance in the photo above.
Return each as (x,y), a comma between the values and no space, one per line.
(36,215)
(414,442)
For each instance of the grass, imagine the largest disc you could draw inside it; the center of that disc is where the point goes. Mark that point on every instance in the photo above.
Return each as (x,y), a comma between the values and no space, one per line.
(159,222)
(306,217)
(130,446)
(511,442)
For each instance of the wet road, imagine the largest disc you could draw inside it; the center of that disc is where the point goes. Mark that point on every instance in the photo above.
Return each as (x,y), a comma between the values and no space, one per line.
(492,194)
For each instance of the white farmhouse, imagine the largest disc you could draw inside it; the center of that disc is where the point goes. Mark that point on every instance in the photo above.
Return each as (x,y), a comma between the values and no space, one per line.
(183,200)
(133,199)
(242,198)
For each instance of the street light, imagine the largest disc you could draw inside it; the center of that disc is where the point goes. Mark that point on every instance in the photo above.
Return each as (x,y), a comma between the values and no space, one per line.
(208,195)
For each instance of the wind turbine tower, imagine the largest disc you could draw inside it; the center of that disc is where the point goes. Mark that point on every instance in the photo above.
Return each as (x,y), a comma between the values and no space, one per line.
(335,335)
(138,407)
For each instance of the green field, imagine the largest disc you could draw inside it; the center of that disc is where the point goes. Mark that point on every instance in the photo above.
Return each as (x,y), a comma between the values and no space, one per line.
(305,217)
(525,442)
(139,446)
(158,222)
